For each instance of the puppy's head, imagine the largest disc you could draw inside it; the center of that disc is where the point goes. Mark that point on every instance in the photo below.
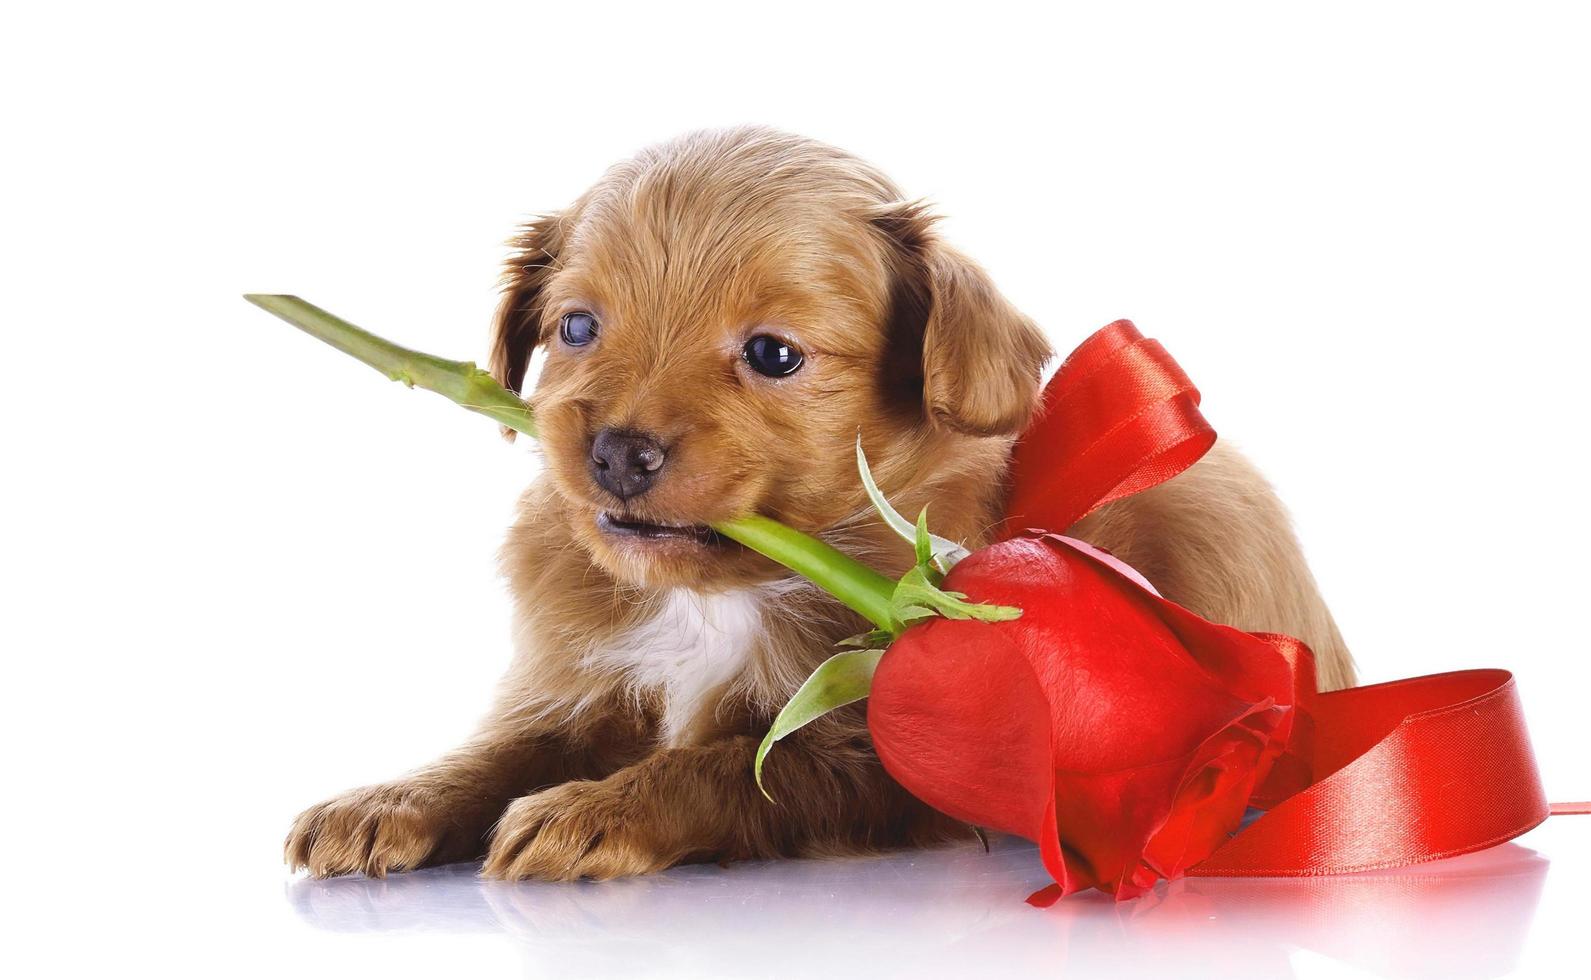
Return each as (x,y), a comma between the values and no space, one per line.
(720,317)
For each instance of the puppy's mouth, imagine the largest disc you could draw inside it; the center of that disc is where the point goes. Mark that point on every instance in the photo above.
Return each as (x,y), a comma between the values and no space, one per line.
(620,526)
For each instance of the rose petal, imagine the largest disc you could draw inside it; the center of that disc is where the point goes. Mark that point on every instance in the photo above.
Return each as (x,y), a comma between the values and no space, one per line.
(959,720)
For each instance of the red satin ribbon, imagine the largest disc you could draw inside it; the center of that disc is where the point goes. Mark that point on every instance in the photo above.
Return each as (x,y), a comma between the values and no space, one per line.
(1119,416)
(1404,772)
(1398,773)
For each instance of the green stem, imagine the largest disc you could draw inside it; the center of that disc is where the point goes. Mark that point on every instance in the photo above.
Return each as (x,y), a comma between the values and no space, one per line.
(459,381)
(848,580)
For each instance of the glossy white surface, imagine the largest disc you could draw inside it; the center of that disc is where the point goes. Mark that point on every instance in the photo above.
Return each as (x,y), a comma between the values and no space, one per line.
(239,573)
(960,912)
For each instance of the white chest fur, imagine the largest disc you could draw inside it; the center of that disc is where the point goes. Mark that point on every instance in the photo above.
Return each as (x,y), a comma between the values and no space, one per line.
(687,648)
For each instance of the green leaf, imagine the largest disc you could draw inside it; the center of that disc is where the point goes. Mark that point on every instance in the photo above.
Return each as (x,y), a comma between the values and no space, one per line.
(945,551)
(918,597)
(838,681)
(871,640)
(924,543)
(910,613)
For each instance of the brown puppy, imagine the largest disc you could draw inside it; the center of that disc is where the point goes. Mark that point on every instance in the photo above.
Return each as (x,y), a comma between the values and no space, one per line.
(720,317)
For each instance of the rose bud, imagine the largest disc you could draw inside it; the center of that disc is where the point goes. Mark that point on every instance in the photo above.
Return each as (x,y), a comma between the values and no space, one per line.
(1122,733)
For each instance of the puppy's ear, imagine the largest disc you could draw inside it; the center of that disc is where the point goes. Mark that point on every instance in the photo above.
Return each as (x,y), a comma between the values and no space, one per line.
(981,358)
(517,323)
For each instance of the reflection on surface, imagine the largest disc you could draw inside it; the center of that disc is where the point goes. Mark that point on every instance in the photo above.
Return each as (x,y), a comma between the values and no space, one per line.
(959,911)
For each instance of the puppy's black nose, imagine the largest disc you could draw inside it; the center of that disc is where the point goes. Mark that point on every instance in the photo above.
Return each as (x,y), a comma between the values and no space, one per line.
(625,463)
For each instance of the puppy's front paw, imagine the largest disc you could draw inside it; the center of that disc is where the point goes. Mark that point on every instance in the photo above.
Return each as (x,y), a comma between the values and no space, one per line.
(390,827)
(577,830)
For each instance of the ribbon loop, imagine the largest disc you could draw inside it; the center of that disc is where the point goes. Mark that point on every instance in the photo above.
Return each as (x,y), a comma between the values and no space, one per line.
(1119,417)
(1405,772)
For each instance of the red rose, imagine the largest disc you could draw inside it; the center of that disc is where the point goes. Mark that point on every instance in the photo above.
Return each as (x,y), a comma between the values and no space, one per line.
(1119,731)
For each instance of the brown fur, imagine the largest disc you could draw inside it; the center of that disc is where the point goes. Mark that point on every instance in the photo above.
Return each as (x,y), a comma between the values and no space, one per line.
(585,767)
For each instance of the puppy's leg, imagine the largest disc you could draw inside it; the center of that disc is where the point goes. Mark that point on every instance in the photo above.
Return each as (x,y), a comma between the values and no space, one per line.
(700,803)
(1217,540)
(443,812)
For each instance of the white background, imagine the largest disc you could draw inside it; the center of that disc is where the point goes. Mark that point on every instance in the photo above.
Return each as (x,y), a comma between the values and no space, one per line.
(241,573)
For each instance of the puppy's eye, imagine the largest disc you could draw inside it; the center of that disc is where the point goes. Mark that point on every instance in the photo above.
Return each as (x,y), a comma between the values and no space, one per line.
(771,356)
(577,329)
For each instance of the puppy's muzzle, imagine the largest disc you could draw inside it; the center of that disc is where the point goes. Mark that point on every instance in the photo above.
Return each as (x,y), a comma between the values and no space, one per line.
(625,464)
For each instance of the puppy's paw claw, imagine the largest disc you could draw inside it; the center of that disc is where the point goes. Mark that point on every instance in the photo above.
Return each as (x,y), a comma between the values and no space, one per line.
(391,827)
(577,830)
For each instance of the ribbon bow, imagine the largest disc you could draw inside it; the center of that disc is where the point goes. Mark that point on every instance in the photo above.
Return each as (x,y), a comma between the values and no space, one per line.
(1369,777)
